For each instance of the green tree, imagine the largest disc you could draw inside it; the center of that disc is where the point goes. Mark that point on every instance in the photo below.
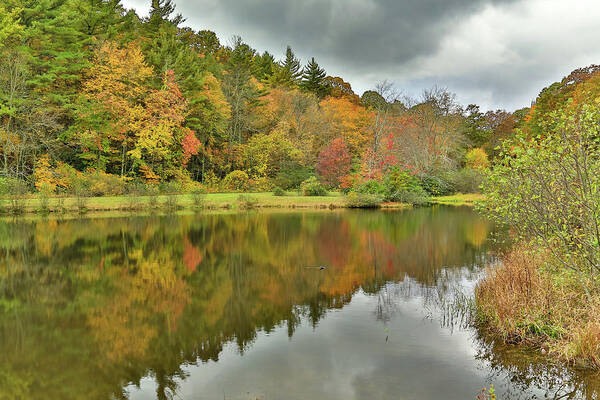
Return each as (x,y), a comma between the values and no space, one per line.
(313,79)
(240,89)
(547,189)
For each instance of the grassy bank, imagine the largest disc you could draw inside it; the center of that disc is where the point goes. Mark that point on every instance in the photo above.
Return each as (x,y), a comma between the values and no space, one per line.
(212,201)
(35,204)
(459,199)
(527,301)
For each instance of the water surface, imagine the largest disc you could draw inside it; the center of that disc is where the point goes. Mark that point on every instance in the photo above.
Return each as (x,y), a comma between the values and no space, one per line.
(230,306)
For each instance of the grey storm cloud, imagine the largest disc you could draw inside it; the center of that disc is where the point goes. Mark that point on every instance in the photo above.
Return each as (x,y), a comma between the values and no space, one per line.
(356,32)
(497,53)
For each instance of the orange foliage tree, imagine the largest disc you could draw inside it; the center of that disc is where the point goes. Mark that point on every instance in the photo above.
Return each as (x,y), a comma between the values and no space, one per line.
(334,162)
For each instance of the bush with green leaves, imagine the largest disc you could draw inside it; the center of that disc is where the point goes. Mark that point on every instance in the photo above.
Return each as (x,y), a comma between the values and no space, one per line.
(199,197)
(312,187)
(103,184)
(246,202)
(370,187)
(237,181)
(278,191)
(363,200)
(547,188)
(403,187)
(466,180)
(436,185)
(291,176)
(171,187)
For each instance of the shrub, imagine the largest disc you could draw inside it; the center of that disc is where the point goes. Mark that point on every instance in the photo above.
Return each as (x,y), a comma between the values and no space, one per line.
(312,187)
(17,191)
(370,187)
(292,176)
(262,184)
(363,200)
(278,191)
(43,174)
(416,198)
(466,180)
(237,181)
(152,192)
(134,190)
(398,179)
(403,187)
(172,202)
(246,202)
(436,185)
(171,187)
(44,192)
(199,197)
(60,205)
(102,184)
(210,181)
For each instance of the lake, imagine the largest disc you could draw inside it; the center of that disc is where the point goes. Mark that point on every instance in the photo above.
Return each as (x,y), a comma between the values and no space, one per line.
(237,306)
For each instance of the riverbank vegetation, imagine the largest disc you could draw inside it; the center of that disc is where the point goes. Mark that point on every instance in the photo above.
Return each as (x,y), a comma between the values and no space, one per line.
(545,186)
(98,101)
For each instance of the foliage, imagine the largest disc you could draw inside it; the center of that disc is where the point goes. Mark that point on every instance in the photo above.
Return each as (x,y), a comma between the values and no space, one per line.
(370,187)
(465,180)
(547,188)
(292,175)
(246,202)
(437,184)
(43,175)
(312,187)
(363,200)
(403,187)
(477,159)
(237,181)
(313,79)
(334,162)
(267,155)
(199,197)
(88,85)
(278,191)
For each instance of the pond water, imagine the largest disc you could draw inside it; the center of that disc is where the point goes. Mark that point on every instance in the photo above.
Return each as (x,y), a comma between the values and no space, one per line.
(236,306)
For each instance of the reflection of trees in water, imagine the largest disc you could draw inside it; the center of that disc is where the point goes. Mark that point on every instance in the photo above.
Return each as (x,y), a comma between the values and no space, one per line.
(515,370)
(121,299)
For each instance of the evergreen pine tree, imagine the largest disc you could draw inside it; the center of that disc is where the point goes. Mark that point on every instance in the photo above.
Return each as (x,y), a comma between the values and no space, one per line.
(313,79)
(292,65)
(160,11)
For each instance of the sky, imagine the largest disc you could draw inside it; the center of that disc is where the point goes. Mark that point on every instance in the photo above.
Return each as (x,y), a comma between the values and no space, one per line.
(494,53)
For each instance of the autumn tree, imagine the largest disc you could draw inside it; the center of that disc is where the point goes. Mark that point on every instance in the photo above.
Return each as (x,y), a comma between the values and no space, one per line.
(341,89)
(430,136)
(347,120)
(334,162)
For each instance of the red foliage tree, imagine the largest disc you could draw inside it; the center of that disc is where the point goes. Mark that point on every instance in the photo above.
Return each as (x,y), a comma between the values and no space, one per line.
(334,162)
(191,146)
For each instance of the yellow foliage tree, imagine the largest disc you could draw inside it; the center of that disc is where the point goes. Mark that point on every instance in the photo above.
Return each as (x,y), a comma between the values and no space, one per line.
(477,159)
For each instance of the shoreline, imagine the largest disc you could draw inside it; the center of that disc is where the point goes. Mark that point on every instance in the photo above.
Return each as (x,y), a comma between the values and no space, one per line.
(33,205)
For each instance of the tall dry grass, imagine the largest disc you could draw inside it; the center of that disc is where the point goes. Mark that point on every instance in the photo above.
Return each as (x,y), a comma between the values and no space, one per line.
(525,300)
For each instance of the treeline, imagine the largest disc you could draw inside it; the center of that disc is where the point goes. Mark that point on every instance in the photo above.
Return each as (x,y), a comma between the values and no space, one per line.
(91,92)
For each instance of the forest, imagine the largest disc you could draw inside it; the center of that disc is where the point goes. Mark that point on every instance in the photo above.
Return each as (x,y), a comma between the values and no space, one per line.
(95,99)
